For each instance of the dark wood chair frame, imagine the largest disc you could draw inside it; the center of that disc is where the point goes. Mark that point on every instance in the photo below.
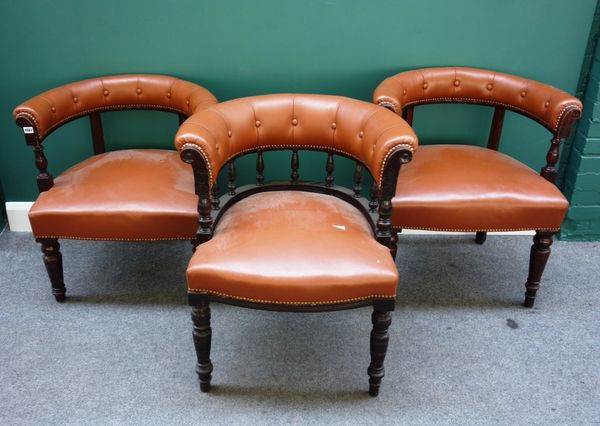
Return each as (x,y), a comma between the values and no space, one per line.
(377,211)
(540,250)
(50,246)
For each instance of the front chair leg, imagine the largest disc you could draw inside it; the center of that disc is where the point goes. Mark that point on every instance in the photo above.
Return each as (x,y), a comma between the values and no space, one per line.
(540,251)
(379,342)
(202,337)
(53,262)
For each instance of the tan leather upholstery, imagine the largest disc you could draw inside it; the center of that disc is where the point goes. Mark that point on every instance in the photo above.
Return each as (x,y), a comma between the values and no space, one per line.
(469,188)
(293,247)
(354,128)
(54,107)
(136,194)
(123,195)
(542,102)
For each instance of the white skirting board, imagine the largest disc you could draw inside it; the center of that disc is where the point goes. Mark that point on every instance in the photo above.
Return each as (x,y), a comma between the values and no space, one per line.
(19,222)
(17,215)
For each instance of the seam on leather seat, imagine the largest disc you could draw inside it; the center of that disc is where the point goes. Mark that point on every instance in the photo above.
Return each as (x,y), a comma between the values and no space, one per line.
(355,299)
(396,228)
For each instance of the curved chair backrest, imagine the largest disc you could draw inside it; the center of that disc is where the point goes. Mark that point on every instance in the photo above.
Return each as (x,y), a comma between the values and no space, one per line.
(373,136)
(44,113)
(551,107)
(349,127)
(53,108)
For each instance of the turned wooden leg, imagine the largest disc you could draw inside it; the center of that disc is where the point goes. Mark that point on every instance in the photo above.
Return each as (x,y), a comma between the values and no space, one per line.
(54,267)
(379,342)
(202,337)
(394,245)
(540,251)
(480,237)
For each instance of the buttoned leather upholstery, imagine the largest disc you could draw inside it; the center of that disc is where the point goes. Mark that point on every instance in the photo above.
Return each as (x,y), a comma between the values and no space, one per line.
(542,102)
(136,194)
(466,188)
(470,188)
(331,123)
(57,106)
(295,248)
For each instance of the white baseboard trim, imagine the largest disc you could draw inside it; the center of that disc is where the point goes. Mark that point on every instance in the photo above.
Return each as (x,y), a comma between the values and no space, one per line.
(17,215)
(19,222)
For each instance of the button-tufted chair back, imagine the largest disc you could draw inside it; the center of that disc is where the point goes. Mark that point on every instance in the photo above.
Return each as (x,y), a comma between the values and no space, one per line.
(353,128)
(539,101)
(51,109)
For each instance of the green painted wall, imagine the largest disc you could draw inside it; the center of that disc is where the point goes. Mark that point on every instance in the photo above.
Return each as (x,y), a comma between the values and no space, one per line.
(581,182)
(238,48)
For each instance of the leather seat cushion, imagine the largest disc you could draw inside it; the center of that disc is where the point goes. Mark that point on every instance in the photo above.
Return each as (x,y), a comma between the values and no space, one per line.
(469,188)
(293,247)
(136,194)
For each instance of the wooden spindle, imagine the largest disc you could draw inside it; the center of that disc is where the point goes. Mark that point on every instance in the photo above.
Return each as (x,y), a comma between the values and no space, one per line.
(295,163)
(384,233)
(357,179)
(384,222)
(549,171)
(329,167)
(260,168)
(231,174)
(496,128)
(407,114)
(97,133)
(44,179)
(374,196)
(214,197)
(191,154)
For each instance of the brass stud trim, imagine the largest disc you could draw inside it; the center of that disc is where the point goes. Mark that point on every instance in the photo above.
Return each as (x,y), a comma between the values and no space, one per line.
(326,302)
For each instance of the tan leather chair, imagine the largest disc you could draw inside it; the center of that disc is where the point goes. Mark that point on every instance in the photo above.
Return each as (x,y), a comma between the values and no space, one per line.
(469,188)
(294,246)
(133,194)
